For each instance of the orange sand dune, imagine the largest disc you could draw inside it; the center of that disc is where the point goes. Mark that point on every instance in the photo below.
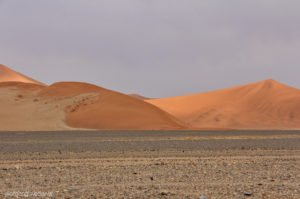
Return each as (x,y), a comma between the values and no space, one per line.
(137,96)
(9,75)
(69,89)
(263,105)
(26,104)
(71,106)
(98,108)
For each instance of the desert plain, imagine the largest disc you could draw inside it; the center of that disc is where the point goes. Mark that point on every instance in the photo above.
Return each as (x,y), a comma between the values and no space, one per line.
(147,164)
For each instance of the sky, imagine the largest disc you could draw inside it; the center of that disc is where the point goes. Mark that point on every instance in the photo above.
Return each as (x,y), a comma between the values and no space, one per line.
(156,48)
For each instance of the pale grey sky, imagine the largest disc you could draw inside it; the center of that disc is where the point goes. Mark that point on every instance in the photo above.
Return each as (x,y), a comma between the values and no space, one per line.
(153,47)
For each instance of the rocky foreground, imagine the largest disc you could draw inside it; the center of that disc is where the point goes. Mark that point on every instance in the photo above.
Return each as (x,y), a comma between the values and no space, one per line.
(150,165)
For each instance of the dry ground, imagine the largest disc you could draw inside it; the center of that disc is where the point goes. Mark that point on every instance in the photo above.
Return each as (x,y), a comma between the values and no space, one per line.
(231,165)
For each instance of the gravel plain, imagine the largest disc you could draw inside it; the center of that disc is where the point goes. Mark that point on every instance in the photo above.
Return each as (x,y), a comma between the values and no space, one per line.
(239,164)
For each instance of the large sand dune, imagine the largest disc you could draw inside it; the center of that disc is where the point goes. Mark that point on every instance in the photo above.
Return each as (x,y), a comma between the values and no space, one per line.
(98,108)
(263,105)
(71,106)
(9,75)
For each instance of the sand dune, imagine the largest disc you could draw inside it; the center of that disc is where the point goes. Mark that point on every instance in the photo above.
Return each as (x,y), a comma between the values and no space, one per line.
(27,104)
(138,96)
(98,108)
(9,75)
(22,110)
(71,106)
(263,105)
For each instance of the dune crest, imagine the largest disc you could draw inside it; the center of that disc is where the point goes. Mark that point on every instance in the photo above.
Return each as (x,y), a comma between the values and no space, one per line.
(138,96)
(262,105)
(9,75)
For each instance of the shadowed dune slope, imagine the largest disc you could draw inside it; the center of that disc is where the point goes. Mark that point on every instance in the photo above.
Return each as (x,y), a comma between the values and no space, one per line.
(94,107)
(263,105)
(9,75)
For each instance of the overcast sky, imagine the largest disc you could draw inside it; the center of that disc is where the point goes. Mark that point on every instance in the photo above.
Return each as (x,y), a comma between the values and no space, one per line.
(153,47)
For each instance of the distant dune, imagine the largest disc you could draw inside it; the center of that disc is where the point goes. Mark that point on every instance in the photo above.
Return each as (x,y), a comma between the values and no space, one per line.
(98,108)
(9,75)
(263,105)
(139,96)
(28,105)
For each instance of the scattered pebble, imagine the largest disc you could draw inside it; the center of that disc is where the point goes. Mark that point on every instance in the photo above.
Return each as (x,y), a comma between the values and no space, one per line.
(164,193)
(247,193)
(203,197)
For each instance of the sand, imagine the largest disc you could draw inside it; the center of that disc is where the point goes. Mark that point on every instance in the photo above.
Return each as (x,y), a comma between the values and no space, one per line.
(9,75)
(263,105)
(70,105)
(111,110)
(27,104)
(23,110)
(138,96)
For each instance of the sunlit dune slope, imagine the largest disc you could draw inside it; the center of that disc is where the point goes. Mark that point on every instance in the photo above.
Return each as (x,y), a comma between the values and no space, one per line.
(22,110)
(263,105)
(9,75)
